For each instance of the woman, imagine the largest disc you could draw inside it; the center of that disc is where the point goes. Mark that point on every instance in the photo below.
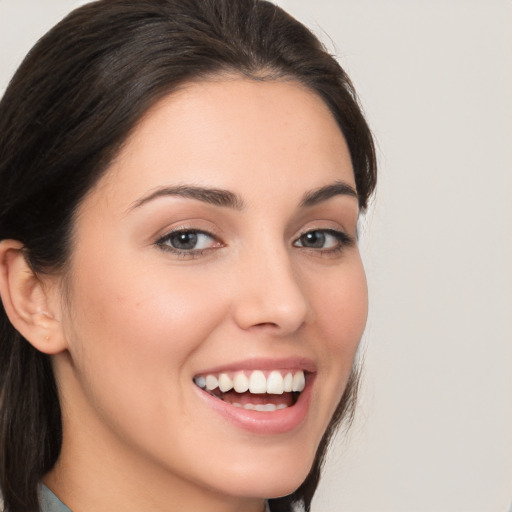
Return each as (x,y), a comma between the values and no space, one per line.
(182,291)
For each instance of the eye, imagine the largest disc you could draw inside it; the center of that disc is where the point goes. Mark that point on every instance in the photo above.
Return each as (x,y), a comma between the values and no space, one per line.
(187,240)
(324,239)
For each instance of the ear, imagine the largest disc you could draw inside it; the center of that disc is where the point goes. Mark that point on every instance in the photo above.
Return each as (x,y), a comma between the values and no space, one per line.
(32,302)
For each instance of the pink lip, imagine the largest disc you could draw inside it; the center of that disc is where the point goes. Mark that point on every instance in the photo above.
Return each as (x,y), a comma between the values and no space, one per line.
(290,363)
(265,423)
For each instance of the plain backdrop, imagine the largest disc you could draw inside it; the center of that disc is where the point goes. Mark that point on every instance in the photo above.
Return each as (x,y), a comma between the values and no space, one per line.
(434,427)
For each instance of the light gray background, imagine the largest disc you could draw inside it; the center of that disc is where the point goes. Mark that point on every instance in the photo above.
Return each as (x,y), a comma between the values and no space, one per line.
(434,429)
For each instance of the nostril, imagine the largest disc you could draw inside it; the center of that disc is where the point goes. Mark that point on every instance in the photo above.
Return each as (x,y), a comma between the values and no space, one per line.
(266,324)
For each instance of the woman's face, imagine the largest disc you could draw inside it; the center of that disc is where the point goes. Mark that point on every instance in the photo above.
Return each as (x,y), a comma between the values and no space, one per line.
(218,250)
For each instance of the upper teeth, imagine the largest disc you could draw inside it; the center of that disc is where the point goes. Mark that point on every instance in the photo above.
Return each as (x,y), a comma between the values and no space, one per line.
(275,383)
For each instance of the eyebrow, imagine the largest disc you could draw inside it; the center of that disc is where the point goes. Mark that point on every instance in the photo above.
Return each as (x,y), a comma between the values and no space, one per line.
(228,199)
(338,188)
(213,196)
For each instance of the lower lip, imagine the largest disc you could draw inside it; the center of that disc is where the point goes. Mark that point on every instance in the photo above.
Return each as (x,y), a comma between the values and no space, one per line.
(264,422)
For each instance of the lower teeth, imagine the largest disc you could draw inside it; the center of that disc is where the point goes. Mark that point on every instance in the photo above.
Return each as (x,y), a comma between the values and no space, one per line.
(260,407)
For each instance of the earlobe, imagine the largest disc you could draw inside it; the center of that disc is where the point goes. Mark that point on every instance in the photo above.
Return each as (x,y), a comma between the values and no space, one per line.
(29,301)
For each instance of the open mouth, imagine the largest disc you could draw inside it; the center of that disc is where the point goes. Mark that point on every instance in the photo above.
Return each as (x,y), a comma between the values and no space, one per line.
(256,390)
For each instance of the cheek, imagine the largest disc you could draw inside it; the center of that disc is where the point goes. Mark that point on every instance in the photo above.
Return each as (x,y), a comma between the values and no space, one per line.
(131,341)
(145,321)
(341,307)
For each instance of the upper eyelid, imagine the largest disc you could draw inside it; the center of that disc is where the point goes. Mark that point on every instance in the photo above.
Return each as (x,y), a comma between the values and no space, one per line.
(185,228)
(331,230)
(328,229)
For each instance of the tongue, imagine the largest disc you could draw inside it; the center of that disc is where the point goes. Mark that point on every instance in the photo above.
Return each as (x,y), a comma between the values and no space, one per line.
(252,398)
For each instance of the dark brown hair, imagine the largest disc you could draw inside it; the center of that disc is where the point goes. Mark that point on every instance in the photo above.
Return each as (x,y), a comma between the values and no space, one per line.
(70,106)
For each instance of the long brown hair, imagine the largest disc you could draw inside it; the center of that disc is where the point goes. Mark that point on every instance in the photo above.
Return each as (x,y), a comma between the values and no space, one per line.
(71,104)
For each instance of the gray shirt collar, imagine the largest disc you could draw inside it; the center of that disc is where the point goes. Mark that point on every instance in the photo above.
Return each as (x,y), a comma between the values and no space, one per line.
(49,502)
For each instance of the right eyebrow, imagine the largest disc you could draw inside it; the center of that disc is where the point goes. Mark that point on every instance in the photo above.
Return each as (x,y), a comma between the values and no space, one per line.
(214,196)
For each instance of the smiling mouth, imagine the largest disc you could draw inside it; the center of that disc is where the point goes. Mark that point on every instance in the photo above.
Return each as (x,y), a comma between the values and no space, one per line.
(256,390)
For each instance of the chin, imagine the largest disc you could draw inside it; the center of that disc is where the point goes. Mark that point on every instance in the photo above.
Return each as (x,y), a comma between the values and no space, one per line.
(270,477)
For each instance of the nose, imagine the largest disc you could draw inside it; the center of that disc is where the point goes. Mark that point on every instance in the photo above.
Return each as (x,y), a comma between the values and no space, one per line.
(269,294)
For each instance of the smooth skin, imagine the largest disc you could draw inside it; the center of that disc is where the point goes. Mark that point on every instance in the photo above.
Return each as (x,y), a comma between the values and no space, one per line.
(136,315)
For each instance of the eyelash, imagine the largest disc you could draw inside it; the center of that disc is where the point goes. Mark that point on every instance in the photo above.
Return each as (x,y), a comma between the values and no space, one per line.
(164,243)
(343,241)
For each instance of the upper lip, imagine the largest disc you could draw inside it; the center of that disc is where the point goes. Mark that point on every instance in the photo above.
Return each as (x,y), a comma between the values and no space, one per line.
(289,363)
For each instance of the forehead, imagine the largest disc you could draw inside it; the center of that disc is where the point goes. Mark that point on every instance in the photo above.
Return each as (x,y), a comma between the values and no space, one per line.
(237,134)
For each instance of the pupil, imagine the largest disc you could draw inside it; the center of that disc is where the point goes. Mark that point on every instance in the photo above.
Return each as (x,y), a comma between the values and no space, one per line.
(186,240)
(314,239)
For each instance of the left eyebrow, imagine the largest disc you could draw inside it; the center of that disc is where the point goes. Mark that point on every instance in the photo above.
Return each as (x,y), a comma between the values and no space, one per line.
(338,188)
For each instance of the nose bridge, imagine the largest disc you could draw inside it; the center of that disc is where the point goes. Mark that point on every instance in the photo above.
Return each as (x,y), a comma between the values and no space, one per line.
(270,291)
